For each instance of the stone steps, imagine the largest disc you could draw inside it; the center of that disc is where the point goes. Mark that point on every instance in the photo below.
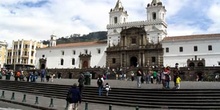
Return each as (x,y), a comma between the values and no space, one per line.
(147,98)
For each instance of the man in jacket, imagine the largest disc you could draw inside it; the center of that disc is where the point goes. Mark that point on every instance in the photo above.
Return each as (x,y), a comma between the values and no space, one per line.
(73,97)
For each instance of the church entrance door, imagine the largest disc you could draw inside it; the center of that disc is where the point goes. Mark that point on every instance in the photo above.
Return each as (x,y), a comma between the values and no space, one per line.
(85,64)
(133,61)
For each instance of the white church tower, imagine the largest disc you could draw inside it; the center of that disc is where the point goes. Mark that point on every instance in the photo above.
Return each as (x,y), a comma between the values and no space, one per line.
(155,25)
(53,41)
(117,16)
(157,29)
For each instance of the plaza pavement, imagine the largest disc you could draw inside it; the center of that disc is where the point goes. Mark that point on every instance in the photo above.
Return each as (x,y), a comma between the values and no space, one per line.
(60,104)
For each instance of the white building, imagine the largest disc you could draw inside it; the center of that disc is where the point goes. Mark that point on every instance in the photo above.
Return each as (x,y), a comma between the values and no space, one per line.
(177,49)
(72,55)
(23,52)
(3,53)
(155,24)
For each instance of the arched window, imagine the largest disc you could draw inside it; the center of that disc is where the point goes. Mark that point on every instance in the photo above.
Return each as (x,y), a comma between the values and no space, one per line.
(61,61)
(191,64)
(73,61)
(154,15)
(115,20)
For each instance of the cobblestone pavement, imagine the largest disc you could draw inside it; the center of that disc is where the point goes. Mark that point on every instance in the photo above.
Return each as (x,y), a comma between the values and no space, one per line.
(60,104)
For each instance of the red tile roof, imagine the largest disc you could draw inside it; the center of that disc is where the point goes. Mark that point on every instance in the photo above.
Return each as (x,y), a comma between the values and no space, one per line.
(191,37)
(78,44)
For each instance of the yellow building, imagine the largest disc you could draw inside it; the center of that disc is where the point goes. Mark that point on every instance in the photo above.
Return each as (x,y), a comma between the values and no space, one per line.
(3,53)
(23,53)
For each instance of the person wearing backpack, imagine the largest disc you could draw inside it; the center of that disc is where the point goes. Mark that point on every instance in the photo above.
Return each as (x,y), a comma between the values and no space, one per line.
(81,81)
(73,98)
(100,84)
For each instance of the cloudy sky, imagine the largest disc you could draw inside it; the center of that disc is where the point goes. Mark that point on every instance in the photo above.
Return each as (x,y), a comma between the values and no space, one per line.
(38,19)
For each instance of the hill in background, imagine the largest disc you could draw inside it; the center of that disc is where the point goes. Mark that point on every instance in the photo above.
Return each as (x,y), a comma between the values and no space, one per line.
(94,36)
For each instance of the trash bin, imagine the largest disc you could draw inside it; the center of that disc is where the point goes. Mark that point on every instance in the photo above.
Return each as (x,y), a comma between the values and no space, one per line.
(87,78)
(7,76)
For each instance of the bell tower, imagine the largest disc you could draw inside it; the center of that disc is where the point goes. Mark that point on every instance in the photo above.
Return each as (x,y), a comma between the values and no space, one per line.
(53,41)
(118,14)
(156,15)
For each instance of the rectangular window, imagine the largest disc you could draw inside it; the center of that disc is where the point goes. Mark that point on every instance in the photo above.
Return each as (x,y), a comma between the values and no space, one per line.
(86,51)
(31,61)
(73,61)
(219,63)
(113,60)
(181,49)
(210,47)
(62,52)
(74,52)
(61,61)
(195,48)
(133,40)
(115,20)
(32,53)
(153,59)
(167,50)
(98,51)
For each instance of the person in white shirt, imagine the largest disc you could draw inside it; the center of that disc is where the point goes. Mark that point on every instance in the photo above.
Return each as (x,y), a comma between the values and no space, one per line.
(107,88)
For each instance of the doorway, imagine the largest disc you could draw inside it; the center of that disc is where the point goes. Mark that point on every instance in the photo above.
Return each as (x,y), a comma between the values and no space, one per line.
(133,61)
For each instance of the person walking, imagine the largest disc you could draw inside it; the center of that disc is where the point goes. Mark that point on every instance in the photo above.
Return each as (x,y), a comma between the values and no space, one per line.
(100,85)
(107,88)
(47,76)
(81,82)
(42,74)
(26,74)
(51,76)
(139,75)
(132,76)
(178,80)
(73,98)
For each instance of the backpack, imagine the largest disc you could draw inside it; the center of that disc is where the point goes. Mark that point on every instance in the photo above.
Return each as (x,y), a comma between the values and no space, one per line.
(99,82)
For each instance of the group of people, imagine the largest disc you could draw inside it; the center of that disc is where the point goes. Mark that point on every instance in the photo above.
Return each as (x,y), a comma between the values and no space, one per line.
(158,77)
(75,93)
(32,75)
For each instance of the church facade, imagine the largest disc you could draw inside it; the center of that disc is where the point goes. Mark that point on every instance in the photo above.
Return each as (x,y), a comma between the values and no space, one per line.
(138,43)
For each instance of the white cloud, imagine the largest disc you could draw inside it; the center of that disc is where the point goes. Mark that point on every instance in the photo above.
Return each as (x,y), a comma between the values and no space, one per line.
(214,15)
(174,6)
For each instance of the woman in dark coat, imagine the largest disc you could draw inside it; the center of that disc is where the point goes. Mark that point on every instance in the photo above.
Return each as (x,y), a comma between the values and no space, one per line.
(73,97)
